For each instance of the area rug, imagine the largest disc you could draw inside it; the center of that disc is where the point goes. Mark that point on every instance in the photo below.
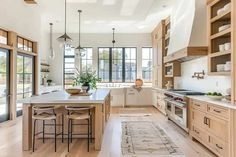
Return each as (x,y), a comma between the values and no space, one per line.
(134,112)
(147,139)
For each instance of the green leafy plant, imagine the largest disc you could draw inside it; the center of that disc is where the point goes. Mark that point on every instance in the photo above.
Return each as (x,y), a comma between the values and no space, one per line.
(84,78)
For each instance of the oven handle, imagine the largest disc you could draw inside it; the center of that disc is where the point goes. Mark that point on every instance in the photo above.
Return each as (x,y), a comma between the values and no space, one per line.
(175,103)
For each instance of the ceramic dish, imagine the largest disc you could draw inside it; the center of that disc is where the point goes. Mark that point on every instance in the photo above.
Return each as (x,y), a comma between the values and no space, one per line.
(73,91)
(215,97)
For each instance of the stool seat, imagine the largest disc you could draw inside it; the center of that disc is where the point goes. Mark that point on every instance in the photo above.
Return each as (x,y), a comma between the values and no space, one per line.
(44,116)
(78,116)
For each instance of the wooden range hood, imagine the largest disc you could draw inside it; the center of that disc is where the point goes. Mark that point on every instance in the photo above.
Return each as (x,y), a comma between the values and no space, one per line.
(187,54)
(188,34)
(31,1)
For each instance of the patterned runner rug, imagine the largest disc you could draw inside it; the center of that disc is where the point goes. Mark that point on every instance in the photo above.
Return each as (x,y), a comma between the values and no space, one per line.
(147,139)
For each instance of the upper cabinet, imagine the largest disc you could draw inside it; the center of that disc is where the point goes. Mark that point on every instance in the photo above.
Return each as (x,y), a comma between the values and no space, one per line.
(220,37)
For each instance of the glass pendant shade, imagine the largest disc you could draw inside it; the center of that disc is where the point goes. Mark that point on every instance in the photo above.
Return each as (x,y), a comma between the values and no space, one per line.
(80,50)
(51,50)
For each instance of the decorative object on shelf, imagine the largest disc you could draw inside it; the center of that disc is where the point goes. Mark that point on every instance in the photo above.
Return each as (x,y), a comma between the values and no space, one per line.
(49,82)
(64,38)
(87,80)
(169,85)
(80,50)
(199,75)
(52,53)
(113,39)
(224,27)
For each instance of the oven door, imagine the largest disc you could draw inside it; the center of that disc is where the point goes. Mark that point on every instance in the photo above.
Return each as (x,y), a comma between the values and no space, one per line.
(180,114)
(169,108)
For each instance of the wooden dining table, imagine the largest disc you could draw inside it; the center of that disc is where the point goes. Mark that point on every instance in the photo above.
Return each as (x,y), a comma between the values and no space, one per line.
(99,98)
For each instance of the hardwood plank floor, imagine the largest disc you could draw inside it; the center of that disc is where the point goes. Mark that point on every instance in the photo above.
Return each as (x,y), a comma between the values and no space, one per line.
(11,136)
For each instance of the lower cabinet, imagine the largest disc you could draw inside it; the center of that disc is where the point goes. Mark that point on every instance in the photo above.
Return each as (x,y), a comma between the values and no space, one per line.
(134,97)
(158,100)
(212,130)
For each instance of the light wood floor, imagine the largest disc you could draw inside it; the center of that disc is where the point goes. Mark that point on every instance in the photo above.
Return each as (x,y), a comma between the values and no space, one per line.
(11,146)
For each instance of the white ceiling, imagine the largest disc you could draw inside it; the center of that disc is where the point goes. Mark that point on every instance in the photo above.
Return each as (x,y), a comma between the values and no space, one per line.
(100,16)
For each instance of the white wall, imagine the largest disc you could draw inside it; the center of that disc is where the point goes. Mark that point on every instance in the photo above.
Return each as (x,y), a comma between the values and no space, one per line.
(95,41)
(209,84)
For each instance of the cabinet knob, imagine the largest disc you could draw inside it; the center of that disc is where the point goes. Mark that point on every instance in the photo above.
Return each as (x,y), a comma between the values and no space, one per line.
(219,146)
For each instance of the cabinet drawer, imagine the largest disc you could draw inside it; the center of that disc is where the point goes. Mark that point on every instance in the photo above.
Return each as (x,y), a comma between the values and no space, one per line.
(199,105)
(199,133)
(219,111)
(218,146)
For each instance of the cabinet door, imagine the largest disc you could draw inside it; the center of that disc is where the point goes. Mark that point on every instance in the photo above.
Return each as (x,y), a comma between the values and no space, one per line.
(218,146)
(218,127)
(131,97)
(198,118)
(154,98)
(144,97)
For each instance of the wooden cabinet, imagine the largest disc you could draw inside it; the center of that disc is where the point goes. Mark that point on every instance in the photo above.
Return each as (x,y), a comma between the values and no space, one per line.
(158,45)
(158,100)
(220,26)
(210,125)
(173,69)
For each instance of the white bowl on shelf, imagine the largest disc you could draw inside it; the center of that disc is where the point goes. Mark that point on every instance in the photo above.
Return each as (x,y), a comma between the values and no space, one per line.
(221,48)
(227,46)
(215,97)
(224,27)
(227,7)
(220,67)
(220,11)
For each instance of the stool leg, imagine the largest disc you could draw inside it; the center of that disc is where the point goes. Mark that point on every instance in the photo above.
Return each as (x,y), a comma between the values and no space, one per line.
(55,137)
(88,133)
(68,136)
(34,134)
(62,134)
(43,129)
(91,130)
(71,130)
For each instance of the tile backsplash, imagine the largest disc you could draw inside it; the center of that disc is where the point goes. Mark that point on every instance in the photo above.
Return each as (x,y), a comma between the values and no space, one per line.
(208,84)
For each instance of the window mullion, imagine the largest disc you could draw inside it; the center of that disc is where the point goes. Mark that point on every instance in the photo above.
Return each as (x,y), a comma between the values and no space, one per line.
(110,64)
(123,65)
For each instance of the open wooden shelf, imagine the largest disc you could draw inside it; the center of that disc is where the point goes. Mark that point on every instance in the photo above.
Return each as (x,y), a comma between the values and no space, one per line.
(224,16)
(224,33)
(175,67)
(218,54)
(223,73)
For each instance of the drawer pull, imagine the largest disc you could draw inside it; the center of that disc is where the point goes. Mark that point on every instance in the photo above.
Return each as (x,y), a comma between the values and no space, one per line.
(219,146)
(217,111)
(196,131)
(197,105)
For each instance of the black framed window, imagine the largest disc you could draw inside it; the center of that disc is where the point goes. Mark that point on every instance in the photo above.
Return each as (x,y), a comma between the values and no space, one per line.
(70,61)
(4,85)
(117,64)
(147,64)
(25,79)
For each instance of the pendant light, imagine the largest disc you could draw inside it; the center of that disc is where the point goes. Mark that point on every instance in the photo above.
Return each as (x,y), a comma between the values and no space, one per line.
(113,41)
(52,53)
(65,38)
(80,49)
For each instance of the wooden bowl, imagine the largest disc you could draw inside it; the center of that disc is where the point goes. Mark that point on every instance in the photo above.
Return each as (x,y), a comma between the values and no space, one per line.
(73,91)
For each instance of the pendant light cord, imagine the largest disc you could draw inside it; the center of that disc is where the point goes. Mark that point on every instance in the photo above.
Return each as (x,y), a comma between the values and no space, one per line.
(113,41)
(79,25)
(65,16)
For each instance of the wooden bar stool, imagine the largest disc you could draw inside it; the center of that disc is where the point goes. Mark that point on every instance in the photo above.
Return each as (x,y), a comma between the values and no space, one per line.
(79,113)
(46,113)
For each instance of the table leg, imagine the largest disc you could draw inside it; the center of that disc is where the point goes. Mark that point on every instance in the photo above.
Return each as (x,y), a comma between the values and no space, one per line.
(98,126)
(27,127)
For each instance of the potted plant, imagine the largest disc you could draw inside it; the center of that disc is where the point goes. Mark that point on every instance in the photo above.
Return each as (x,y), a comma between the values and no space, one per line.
(87,80)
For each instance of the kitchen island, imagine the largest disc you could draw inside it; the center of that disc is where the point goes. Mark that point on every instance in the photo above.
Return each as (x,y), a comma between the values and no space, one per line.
(100,99)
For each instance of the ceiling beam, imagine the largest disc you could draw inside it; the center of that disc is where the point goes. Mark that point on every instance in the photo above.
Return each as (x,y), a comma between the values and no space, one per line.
(31,1)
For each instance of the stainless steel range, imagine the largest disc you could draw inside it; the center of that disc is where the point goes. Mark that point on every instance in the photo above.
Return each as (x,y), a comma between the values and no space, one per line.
(177,106)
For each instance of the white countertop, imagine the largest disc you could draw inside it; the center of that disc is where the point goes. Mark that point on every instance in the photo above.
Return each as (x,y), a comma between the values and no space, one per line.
(97,96)
(222,103)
